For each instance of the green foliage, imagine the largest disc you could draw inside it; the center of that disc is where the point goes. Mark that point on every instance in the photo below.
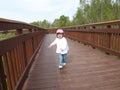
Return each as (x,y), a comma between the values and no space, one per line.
(79,18)
(89,11)
(55,23)
(92,11)
(8,35)
(35,23)
(61,22)
(43,24)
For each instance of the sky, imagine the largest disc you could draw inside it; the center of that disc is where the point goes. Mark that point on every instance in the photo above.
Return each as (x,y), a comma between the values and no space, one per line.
(37,10)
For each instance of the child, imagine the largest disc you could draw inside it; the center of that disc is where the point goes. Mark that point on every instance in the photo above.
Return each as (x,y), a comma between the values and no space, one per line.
(62,47)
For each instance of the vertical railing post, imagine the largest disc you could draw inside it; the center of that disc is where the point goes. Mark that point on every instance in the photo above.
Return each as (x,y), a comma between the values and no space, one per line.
(33,44)
(19,31)
(3,83)
(24,51)
(34,30)
(93,36)
(30,30)
(109,39)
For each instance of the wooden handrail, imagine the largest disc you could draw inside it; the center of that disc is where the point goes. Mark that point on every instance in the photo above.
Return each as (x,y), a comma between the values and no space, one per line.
(6,24)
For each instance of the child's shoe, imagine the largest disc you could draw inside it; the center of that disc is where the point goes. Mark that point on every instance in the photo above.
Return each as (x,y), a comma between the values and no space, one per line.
(64,64)
(60,66)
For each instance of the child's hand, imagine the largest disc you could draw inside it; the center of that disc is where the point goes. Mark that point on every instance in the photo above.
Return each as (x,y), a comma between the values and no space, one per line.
(62,49)
(49,46)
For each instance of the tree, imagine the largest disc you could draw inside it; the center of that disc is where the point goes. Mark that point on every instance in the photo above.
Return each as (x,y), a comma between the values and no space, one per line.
(89,11)
(64,21)
(92,11)
(55,23)
(43,24)
(36,23)
(116,10)
(78,18)
(61,22)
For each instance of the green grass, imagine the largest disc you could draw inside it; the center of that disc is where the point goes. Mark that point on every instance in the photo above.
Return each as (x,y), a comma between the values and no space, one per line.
(5,36)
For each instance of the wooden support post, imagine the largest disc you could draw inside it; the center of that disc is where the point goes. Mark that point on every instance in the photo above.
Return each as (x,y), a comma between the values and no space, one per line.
(24,51)
(34,30)
(30,30)
(19,31)
(109,39)
(3,82)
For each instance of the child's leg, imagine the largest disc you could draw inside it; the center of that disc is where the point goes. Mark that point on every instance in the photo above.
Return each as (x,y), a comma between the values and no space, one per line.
(64,58)
(60,59)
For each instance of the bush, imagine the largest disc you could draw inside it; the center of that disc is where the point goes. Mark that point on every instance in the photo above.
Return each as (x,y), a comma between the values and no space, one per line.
(8,35)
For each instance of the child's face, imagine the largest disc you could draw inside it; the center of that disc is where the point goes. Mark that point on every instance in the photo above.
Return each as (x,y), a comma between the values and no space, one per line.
(60,35)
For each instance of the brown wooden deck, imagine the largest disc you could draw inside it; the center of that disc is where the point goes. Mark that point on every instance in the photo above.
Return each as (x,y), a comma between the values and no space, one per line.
(86,69)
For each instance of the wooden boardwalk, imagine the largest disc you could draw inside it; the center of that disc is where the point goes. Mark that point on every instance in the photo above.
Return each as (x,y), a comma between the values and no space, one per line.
(86,69)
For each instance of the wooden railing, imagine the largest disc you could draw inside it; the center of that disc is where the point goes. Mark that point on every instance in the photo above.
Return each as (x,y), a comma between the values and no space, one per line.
(17,53)
(105,36)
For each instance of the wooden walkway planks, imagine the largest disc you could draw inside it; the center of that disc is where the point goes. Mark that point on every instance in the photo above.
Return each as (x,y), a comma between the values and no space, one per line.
(86,69)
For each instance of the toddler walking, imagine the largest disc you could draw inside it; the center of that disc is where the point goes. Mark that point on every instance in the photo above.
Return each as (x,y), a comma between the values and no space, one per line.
(62,47)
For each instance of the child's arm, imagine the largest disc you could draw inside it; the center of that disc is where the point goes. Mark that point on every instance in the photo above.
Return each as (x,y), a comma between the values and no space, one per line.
(53,43)
(49,46)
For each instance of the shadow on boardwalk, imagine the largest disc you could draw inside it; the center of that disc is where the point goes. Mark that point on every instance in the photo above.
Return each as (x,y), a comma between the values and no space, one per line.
(86,69)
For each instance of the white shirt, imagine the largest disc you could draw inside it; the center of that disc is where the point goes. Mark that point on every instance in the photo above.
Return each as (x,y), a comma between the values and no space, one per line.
(61,44)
